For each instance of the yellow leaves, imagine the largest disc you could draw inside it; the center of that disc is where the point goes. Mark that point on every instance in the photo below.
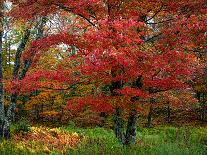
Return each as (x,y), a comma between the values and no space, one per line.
(84,89)
(19,102)
(201,88)
(50,113)
(42,138)
(50,100)
(46,98)
(58,100)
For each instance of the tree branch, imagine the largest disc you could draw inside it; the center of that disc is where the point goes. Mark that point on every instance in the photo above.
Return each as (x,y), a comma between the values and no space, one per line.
(61,6)
(153,38)
(154,14)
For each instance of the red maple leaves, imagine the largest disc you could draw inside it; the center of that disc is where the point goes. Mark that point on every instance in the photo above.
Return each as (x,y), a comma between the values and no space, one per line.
(118,45)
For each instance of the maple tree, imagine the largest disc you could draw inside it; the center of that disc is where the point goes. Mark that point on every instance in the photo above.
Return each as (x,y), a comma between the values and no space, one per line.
(133,48)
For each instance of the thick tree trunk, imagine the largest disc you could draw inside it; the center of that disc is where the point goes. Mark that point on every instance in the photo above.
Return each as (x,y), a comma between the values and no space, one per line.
(119,126)
(130,137)
(11,108)
(7,120)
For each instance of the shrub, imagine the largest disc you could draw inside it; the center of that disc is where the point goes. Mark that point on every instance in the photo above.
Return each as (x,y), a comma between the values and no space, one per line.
(21,126)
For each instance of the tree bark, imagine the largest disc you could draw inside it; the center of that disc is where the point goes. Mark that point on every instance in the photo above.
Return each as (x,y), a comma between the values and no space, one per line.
(119,126)
(7,120)
(130,137)
(11,109)
(2,114)
(168,113)
(149,117)
(27,64)
(18,54)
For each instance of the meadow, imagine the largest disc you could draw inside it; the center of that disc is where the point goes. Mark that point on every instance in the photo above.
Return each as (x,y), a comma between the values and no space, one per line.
(71,140)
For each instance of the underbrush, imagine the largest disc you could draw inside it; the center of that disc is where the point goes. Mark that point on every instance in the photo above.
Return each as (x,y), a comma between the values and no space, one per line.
(99,141)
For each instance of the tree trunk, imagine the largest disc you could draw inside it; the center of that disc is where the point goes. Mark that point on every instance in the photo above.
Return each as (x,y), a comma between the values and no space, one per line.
(149,117)
(27,64)
(168,113)
(5,129)
(2,114)
(130,137)
(18,54)
(11,108)
(6,121)
(119,126)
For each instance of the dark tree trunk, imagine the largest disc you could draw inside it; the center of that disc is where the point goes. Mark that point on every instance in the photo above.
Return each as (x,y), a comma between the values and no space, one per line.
(149,117)
(18,54)
(130,137)
(168,113)
(119,126)
(36,112)
(6,129)
(198,96)
(28,62)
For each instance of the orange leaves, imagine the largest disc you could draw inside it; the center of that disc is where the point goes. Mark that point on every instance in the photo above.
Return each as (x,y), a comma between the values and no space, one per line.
(43,98)
(49,114)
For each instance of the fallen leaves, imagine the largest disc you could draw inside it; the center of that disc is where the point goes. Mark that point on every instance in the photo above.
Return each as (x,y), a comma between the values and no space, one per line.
(48,140)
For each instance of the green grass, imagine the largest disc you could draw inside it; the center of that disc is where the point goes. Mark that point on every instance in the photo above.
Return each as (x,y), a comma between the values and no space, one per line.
(153,141)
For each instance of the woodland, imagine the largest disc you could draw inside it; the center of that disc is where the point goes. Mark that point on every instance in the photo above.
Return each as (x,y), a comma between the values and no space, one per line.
(103,77)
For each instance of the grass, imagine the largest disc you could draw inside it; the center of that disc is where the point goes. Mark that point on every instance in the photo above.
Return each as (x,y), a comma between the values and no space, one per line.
(154,141)
(99,141)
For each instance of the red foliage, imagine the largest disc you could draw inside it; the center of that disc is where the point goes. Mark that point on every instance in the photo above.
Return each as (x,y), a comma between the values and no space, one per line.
(98,104)
(113,48)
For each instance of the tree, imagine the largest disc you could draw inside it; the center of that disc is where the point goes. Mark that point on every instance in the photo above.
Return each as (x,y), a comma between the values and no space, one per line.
(7,116)
(117,47)
(1,70)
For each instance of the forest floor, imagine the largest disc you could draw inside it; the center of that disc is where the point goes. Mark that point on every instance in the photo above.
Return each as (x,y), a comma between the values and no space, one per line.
(162,140)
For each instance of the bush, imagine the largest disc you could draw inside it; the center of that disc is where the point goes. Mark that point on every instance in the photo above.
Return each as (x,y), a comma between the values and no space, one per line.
(21,126)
